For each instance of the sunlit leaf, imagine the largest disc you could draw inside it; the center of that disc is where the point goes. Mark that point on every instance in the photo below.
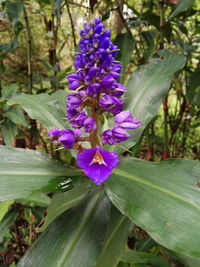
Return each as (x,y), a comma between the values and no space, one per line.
(182,5)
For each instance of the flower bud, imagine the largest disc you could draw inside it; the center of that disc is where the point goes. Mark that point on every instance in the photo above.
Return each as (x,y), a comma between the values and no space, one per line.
(89,125)
(120,134)
(67,138)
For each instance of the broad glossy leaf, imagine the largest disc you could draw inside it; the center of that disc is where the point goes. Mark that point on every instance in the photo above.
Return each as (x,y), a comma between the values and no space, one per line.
(182,5)
(23,172)
(135,257)
(4,207)
(162,198)
(48,109)
(75,238)
(64,201)
(125,43)
(91,234)
(147,88)
(116,239)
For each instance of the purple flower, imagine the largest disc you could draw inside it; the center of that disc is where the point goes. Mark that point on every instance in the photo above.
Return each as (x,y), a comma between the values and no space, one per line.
(120,134)
(118,89)
(89,125)
(67,139)
(77,132)
(93,89)
(96,91)
(74,100)
(97,163)
(111,103)
(74,85)
(107,81)
(125,120)
(54,132)
(108,138)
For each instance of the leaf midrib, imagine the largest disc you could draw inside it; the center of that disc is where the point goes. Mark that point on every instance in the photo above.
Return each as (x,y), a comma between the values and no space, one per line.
(92,205)
(161,189)
(113,233)
(31,173)
(60,210)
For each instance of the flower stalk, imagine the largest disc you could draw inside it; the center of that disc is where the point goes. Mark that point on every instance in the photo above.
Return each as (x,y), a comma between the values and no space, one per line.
(96,93)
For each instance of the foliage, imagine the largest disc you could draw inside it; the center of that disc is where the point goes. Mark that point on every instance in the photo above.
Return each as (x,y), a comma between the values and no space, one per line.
(147,212)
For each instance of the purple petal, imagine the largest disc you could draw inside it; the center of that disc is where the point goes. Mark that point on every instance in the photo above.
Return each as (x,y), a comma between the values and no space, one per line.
(100,168)
(54,132)
(122,116)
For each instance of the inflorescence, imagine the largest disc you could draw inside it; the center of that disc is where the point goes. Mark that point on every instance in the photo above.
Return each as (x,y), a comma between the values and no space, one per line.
(96,93)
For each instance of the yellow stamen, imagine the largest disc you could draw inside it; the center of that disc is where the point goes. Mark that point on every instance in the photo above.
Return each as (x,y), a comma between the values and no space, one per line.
(98,158)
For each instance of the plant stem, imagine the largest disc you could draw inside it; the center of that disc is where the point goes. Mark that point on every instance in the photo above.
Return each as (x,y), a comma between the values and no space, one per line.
(44,144)
(71,21)
(29,51)
(119,10)
(95,138)
(165,102)
(162,23)
(54,28)
(165,110)
(0,89)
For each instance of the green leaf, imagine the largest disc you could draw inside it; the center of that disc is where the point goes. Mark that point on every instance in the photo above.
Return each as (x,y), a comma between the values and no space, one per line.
(147,88)
(135,257)
(125,43)
(193,89)
(16,115)
(48,109)
(9,132)
(190,262)
(75,238)
(23,172)
(14,10)
(162,198)
(7,48)
(95,234)
(64,201)
(7,221)
(4,208)
(57,7)
(182,5)
(37,199)
(8,91)
(116,240)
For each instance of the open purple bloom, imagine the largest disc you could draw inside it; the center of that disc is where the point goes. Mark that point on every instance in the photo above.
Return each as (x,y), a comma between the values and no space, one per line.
(125,120)
(97,163)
